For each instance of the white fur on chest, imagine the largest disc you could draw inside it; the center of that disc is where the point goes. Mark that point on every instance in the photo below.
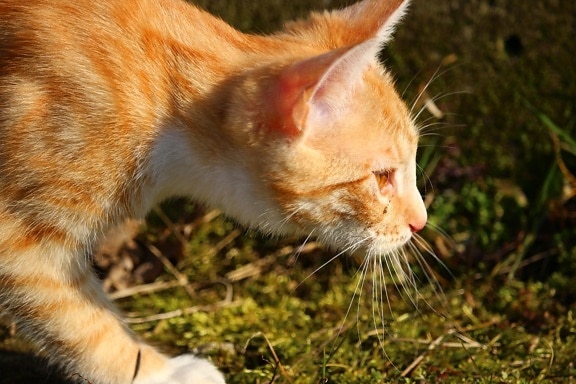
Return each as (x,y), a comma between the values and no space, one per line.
(176,168)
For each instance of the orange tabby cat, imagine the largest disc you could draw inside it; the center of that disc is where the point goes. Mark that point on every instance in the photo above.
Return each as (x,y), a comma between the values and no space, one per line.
(108,107)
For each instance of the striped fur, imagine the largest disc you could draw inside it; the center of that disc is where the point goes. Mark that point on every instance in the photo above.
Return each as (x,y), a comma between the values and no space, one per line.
(108,107)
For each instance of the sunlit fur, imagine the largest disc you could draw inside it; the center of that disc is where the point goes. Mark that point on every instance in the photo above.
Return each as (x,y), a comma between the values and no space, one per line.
(108,107)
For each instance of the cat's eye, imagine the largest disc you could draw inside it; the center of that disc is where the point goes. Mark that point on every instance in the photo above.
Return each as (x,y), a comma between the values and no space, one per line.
(383,177)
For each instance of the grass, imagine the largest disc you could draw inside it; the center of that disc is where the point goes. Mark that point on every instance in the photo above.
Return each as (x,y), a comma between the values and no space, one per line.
(275,323)
(499,168)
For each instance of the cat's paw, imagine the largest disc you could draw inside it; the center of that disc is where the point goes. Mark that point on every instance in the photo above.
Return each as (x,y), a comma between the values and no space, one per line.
(187,369)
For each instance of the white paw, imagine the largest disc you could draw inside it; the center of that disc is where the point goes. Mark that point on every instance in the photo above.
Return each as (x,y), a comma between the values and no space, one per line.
(187,369)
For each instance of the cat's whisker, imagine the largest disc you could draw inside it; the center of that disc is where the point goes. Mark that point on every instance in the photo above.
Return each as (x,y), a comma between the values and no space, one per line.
(432,145)
(407,87)
(414,246)
(437,292)
(299,250)
(418,243)
(371,264)
(435,99)
(425,128)
(411,277)
(383,330)
(382,271)
(362,279)
(350,247)
(266,225)
(375,296)
(433,119)
(396,262)
(362,272)
(380,292)
(427,180)
(404,278)
(423,244)
(434,76)
(440,232)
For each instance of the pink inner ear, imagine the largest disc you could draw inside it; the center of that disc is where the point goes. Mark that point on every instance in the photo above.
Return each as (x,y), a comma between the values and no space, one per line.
(288,107)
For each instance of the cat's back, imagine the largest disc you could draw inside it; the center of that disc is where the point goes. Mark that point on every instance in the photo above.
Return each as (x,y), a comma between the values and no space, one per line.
(117,60)
(87,43)
(118,31)
(81,93)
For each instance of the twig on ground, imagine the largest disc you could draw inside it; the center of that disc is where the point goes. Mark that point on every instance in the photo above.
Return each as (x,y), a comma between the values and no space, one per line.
(180,277)
(188,229)
(256,267)
(224,242)
(433,345)
(271,347)
(171,226)
(446,344)
(143,289)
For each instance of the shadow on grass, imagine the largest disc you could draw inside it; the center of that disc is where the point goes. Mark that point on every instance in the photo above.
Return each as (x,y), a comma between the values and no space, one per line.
(24,368)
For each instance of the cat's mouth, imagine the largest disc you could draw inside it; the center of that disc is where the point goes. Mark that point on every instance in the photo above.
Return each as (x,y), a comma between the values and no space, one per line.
(382,246)
(364,244)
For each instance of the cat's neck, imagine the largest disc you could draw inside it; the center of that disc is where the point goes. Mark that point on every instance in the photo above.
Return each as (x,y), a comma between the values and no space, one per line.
(197,150)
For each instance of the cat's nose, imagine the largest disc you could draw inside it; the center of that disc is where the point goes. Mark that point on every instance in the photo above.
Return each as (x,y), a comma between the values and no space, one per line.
(418,218)
(417,227)
(417,223)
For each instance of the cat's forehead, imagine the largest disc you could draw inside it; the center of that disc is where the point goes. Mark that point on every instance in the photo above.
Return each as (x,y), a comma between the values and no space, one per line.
(395,149)
(380,137)
(374,147)
(390,129)
(384,129)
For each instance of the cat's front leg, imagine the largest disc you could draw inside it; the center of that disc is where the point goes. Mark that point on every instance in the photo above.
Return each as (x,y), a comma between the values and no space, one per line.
(185,369)
(58,304)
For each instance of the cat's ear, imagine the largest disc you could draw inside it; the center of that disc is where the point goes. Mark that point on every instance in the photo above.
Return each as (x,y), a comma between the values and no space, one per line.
(367,19)
(316,91)
(298,87)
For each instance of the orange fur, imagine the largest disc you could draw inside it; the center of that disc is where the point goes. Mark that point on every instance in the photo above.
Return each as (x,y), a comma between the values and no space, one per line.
(108,107)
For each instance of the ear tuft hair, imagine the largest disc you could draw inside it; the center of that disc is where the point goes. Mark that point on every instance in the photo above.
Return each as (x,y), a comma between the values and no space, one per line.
(358,23)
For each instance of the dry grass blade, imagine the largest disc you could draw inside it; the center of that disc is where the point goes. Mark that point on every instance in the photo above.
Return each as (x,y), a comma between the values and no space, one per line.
(182,312)
(465,342)
(570,189)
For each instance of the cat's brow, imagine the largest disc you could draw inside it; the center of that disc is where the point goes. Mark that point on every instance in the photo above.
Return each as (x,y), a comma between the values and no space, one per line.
(336,186)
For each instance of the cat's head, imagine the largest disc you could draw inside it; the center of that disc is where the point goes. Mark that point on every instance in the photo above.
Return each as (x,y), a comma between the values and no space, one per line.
(334,144)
